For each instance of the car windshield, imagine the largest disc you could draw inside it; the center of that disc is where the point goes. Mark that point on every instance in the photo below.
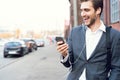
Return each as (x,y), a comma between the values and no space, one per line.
(13,44)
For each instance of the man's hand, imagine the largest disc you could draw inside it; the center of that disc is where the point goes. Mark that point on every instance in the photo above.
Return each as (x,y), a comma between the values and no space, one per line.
(62,48)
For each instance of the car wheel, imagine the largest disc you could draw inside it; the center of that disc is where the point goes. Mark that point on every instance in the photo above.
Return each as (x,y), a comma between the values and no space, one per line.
(21,55)
(5,55)
(36,48)
(30,50)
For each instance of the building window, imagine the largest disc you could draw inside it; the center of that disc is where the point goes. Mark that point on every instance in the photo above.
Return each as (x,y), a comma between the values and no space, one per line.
(114,7)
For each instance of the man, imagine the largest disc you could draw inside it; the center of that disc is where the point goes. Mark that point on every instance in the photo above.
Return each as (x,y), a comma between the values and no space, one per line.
(86,51)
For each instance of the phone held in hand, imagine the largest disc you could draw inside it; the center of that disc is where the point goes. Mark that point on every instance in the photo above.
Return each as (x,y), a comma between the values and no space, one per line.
(60,39)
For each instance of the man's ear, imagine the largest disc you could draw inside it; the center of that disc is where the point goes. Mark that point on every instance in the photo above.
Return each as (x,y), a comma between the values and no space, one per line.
(98,11)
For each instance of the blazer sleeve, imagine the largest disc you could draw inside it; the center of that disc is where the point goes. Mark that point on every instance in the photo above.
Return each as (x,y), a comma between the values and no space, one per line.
(69,61)
(115,60)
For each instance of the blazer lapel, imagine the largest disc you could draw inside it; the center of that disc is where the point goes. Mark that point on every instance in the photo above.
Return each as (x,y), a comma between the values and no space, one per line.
(100,44)
(83,43)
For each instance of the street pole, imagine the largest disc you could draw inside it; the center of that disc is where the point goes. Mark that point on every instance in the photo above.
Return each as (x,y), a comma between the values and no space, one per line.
(75,12)
(119,12)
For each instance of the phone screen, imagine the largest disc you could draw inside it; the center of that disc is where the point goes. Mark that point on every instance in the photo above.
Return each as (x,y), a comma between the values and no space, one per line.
(60,39)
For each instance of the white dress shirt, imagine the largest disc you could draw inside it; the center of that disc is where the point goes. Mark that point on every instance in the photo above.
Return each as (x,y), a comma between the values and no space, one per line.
(92,39)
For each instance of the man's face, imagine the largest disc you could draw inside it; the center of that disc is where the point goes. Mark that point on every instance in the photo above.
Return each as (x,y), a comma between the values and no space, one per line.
(88,13)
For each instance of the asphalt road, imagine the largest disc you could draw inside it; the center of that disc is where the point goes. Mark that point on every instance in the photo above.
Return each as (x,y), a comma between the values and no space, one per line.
(43,64)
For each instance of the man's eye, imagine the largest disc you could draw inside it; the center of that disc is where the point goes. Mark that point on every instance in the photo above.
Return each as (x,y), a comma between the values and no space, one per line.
(87,10)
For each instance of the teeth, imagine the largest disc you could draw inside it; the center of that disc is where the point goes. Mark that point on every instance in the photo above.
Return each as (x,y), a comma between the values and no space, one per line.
(85,19)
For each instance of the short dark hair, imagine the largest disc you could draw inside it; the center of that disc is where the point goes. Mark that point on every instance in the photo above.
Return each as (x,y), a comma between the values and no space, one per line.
(96,4)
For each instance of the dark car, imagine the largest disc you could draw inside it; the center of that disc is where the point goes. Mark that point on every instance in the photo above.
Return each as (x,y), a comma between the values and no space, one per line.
(15,48)
(31,44)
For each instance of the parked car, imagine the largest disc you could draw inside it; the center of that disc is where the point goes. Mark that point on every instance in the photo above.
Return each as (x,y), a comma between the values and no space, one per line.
(15,48)
(31,44)
(40,42)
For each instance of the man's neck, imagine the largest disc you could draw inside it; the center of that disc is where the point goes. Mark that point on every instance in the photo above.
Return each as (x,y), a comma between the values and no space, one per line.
(95,26)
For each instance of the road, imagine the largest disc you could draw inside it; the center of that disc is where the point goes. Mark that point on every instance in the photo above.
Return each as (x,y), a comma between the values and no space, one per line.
(43,64)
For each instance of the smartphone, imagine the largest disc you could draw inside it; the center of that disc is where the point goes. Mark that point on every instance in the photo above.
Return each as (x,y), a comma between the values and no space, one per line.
(60,39)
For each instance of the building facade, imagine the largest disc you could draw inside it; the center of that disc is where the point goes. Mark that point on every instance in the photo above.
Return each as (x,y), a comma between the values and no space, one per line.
(110,15)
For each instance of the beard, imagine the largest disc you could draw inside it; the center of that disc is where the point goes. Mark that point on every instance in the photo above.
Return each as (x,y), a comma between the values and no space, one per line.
(91,22)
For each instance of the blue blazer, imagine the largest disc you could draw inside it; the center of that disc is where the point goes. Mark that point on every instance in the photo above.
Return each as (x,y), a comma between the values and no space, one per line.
(96,65)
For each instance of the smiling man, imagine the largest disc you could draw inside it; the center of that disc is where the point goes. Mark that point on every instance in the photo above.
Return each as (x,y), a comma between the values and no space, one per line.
(87,52)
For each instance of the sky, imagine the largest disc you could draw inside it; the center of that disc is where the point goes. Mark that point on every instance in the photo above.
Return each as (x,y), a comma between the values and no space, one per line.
(33,14)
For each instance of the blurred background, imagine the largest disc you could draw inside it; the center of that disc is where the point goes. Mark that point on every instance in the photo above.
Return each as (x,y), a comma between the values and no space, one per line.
(34,19)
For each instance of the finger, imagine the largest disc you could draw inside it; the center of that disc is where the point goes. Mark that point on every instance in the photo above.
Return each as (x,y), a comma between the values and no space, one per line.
(63,49)
(60,43)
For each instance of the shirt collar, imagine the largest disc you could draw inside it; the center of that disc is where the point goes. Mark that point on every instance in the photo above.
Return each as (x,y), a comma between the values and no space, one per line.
(102,27)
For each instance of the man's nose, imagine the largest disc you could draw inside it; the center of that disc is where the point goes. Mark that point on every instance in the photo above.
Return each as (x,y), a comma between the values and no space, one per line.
(83,13)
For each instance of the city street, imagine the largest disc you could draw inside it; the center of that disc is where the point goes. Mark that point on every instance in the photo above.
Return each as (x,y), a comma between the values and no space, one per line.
(43,64)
